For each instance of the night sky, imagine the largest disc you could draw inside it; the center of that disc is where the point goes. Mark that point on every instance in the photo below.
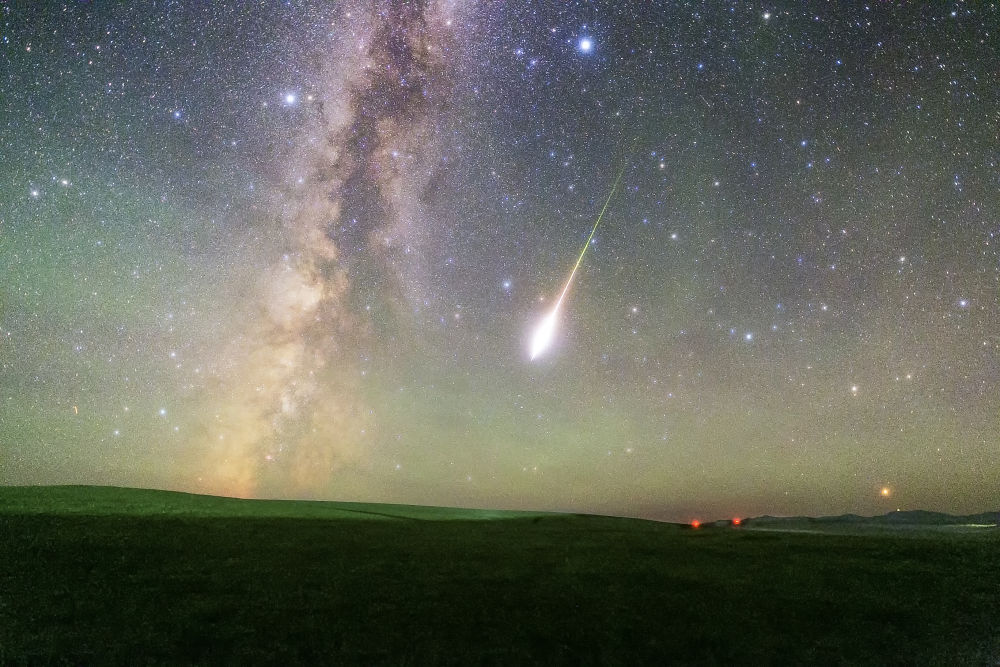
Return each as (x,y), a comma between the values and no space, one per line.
(297,249)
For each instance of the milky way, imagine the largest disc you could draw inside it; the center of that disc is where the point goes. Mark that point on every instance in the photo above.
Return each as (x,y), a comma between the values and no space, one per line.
(297,250)
(288,390)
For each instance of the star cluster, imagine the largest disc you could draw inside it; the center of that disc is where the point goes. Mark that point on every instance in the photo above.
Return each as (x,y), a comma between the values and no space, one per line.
(296,250)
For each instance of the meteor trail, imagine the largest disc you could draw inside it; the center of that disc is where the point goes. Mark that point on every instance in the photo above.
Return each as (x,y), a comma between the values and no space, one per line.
(546,329)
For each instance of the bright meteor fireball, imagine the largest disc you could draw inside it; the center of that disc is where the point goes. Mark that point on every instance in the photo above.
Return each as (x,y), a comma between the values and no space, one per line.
(545,332)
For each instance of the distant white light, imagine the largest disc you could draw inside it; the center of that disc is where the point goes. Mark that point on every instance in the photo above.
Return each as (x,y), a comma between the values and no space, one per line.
(767,15)
(163,412)
(586,44)
(963,303)
(748,336)
(290,98)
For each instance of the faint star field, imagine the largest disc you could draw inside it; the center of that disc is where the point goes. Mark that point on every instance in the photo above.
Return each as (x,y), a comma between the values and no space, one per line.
(298,250)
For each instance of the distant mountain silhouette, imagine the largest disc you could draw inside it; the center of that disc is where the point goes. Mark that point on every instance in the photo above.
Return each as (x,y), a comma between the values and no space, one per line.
(899,518)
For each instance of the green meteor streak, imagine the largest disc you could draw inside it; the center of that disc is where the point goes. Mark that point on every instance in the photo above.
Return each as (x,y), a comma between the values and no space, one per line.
(545,331)
(600,216)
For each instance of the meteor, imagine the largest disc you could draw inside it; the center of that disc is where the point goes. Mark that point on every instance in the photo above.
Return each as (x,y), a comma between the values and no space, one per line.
(546,329)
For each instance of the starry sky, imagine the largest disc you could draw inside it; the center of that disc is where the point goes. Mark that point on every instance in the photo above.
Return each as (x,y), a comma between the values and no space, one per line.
(297,249)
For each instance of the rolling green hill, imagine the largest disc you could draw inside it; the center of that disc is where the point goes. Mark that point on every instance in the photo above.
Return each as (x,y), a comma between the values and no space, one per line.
(110,501)
(98,575)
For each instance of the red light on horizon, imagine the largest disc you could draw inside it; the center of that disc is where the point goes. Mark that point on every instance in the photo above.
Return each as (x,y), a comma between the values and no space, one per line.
(736,521)
(695,523)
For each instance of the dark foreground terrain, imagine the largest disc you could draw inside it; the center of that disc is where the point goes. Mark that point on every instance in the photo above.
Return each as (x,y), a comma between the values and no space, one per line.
(96,575)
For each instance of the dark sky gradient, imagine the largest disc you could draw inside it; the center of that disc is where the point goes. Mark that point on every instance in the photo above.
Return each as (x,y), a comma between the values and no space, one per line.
(297,250)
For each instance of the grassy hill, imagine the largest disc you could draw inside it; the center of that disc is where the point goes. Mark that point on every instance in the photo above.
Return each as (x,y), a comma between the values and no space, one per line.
(111,501)
(97,575)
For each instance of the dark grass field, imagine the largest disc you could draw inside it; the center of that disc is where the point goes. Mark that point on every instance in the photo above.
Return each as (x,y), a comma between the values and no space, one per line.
(96,575)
